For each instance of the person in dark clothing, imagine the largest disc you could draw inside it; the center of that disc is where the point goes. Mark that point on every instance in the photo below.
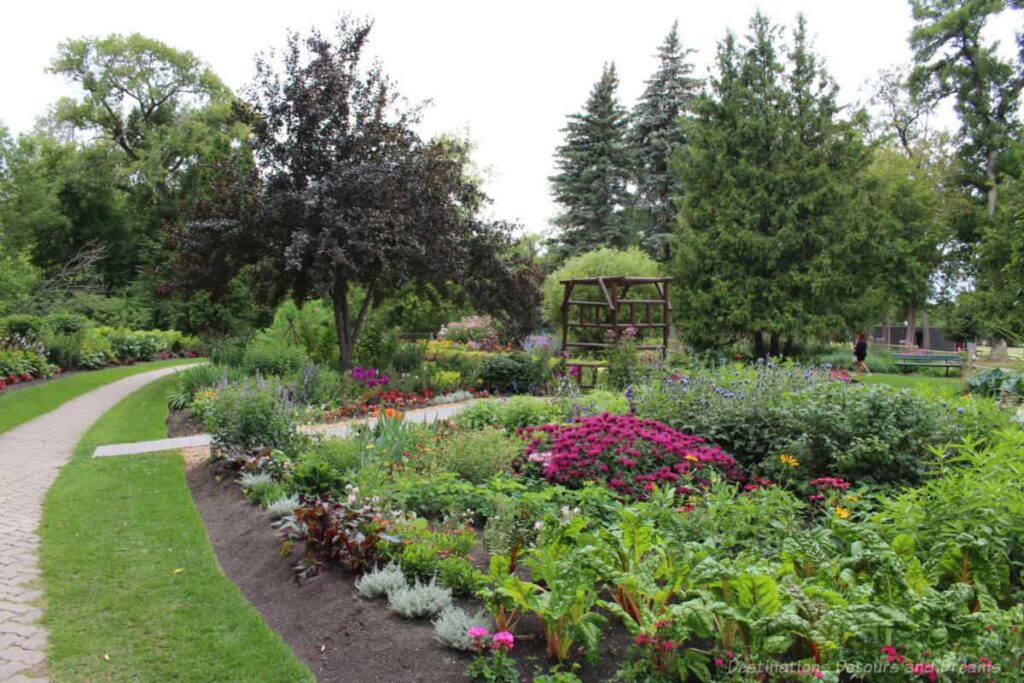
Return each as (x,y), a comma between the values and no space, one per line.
(860,352)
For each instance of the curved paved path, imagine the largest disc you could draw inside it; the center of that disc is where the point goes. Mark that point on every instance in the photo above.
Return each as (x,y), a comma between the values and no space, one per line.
(30,456)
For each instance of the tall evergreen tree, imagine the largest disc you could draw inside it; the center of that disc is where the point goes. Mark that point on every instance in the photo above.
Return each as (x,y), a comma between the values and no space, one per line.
(593,173)
(772,246)
(656,135)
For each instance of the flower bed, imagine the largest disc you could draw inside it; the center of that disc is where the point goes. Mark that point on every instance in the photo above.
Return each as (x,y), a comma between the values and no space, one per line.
(628,454)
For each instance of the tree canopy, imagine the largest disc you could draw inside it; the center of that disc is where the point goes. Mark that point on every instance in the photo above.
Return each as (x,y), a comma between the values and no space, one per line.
(593,172)
(347,193)
(773,246)
(656,135)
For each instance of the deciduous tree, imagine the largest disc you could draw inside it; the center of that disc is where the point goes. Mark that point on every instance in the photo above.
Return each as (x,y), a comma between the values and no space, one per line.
(347,194)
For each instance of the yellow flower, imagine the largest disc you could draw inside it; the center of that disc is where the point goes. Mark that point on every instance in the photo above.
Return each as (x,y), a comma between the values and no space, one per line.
(789,460)
(852,497)
(691,458)
(842,513)
(369,446)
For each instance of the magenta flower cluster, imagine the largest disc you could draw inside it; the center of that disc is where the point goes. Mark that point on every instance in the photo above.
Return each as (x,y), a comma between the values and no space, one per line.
(502,640)
(629,454)
(830,483)
(370,377)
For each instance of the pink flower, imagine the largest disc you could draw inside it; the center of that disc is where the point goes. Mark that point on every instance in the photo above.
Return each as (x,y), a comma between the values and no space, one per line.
(477,632)
(719,662)
(503,640)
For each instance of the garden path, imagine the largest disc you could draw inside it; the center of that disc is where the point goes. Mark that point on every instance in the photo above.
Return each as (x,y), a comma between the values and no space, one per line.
(30,457)
(338,429)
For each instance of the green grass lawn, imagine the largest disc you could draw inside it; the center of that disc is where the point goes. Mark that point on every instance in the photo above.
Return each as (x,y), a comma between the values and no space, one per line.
(133,589)
(938,384)
(20,406)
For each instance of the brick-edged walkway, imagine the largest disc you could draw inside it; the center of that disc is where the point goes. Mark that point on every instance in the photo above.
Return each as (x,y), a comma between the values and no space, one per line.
(30,456)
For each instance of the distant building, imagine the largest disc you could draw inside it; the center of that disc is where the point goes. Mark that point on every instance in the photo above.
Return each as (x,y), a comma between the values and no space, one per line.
(930,338)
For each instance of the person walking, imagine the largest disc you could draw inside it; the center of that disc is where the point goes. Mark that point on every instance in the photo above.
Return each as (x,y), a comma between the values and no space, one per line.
(860,352)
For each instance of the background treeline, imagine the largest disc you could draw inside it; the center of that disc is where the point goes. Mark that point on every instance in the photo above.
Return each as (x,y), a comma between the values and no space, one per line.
(785,216)
(158,198)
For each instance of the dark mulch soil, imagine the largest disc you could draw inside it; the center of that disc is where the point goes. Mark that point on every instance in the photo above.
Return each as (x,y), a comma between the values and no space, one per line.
(183,423)
(340,636)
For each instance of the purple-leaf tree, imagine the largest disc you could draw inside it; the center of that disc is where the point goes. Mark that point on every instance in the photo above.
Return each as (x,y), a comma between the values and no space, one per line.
(349,195)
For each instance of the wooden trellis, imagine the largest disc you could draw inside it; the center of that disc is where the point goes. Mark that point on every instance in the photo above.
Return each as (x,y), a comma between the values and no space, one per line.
(613,312)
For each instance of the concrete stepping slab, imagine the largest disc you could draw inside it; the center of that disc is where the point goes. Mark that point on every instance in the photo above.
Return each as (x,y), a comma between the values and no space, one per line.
(197,441)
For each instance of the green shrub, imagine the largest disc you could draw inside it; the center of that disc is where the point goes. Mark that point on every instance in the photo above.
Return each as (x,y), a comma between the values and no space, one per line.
(460,575)
(273,360)
(342,454)
(870,433)
(314,477)
(409,357)
(190,381)
(444,381)
(478,455)
(511,414)
(509,373)
(608,262)
(326,466)
(376,345)
(65,324)
(310,328)
(228,351)
(31,328)
(418,560)
(316,385)
(251,414)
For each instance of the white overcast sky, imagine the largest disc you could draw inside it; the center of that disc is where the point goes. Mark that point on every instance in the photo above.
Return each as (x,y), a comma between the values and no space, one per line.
(506,72)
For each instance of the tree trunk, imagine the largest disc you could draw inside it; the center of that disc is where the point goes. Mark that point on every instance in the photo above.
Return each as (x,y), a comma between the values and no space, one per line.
(348,329)
(759,345)
(990,171)
(911,336)
(773,344)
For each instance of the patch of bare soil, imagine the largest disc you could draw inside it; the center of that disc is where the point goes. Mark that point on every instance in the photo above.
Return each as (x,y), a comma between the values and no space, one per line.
(183,423)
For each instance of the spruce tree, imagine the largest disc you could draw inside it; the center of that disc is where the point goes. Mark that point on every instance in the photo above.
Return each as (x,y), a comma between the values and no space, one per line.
(656,136)
(593,172)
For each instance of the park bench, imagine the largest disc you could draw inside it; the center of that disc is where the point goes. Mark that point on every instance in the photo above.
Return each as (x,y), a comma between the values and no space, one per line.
(928,359)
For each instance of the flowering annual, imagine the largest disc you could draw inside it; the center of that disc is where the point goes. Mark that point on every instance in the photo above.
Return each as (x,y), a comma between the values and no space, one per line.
(629,454)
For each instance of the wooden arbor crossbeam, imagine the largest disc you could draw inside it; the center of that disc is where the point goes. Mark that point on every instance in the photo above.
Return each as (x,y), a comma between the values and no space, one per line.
(614,291)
